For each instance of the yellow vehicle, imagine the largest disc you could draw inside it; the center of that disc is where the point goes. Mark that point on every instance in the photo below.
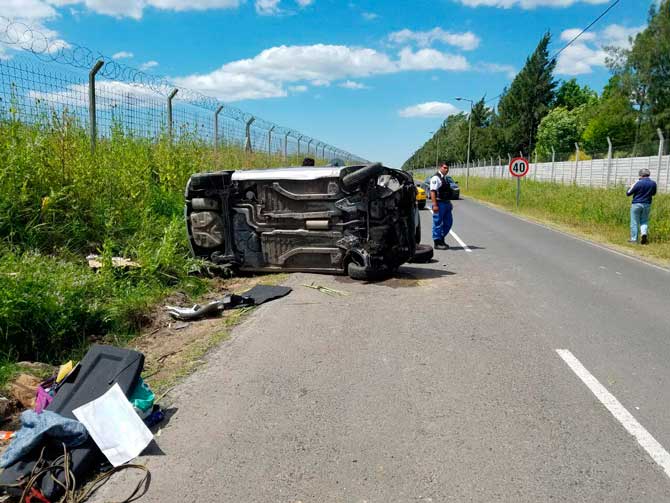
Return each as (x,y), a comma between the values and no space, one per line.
(420,197)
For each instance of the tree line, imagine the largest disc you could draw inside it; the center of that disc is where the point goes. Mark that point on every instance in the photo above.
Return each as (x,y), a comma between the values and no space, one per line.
(537,113)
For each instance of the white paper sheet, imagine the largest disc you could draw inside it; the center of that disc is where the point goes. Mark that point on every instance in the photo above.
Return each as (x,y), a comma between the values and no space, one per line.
(114,426)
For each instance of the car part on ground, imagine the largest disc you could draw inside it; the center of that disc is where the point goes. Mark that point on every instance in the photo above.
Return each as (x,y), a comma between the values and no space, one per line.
(304,219)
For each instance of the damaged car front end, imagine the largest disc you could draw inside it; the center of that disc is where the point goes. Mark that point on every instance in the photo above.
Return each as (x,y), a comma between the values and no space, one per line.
(358,220)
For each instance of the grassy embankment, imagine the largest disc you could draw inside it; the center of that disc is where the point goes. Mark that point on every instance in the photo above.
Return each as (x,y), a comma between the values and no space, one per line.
(59,202)
(598,214)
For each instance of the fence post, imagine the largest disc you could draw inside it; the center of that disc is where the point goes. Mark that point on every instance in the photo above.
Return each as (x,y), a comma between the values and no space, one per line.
(216,127)
(576,162)
(247,134)
(169,111)
(286,146)
(535,171)
(93,126)
(661,143)
(509,160)
(609,163)
(270,139)
(553,163)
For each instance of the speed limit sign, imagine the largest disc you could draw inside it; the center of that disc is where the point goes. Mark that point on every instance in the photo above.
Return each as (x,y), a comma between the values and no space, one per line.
(519,167)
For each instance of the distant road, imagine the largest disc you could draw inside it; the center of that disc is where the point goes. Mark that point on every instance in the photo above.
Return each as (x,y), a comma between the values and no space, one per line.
(442,385)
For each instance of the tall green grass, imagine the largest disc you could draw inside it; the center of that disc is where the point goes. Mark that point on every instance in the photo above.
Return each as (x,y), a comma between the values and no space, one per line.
(59,201)
(602,213)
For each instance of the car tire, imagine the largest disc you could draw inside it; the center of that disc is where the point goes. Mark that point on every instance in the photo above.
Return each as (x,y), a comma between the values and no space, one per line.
(355,179)
(422,255)
(422,205)
(358,272)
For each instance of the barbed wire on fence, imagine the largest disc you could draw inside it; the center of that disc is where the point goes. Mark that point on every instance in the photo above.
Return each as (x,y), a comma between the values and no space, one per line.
(124,91)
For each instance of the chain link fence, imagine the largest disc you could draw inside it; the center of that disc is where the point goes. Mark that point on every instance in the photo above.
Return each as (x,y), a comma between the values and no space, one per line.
(42,80)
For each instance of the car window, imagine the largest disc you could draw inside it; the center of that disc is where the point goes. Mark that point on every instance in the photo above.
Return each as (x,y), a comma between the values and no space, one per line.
(450,180)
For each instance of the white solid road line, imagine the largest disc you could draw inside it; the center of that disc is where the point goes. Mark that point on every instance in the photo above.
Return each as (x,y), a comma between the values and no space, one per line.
(644,438)
(460,241)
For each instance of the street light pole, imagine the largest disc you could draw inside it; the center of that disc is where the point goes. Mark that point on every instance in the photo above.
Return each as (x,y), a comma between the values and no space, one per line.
(437,150)
(467,169)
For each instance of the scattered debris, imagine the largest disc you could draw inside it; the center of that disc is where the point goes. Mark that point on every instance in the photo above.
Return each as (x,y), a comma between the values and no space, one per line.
(256,296)
(24,390)
(95,262)
(265,293)
(115,427)
(38,429)
(7,408)
(328,291)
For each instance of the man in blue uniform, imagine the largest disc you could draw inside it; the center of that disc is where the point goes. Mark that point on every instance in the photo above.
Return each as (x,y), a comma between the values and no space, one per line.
(440,195)
(642,191)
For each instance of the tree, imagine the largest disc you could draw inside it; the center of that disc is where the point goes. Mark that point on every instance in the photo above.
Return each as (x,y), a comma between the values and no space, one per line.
(528,99)
(649,61)
(571,95)
(614,117)
(559,129)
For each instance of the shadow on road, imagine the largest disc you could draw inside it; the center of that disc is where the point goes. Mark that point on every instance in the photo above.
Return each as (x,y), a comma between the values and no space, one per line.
(460,248)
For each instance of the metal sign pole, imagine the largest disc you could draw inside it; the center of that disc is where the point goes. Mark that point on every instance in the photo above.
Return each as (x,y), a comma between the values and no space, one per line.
(518,190)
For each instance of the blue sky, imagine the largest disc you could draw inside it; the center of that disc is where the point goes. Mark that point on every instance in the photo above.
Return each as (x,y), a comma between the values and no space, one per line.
(372,77)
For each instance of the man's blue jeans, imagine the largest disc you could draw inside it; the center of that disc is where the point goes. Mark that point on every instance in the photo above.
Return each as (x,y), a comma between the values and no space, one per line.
(442,220)
(639,218)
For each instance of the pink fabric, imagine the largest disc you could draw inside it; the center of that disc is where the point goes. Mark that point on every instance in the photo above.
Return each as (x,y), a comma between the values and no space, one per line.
(43,400)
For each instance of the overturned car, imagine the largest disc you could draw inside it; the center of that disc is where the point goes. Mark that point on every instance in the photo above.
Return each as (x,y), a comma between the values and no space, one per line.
(358,220)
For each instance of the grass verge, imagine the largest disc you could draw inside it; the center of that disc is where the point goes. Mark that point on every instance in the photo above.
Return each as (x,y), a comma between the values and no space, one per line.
(598,214)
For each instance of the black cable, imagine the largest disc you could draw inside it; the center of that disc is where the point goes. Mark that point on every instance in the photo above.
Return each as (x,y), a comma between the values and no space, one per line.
(586,29)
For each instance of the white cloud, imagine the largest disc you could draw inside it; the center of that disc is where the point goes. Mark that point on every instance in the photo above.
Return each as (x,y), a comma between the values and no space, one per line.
(508,70)
(465,40)
(431,59)
(528,4)
(588,50)
(123,55)
(298,89)
(266,74)
(110,94)
(351,84)
(370,16)
(304,3)
(135,8)
(430,109)
(267,7)
(27,9)
(148,65)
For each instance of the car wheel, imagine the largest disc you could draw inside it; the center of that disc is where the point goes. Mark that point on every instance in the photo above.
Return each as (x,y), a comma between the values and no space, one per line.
(358,272)
(353,180)
(422,205)
(423,254)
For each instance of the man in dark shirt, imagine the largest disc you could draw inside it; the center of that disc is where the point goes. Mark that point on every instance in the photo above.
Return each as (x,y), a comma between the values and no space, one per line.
(642,191)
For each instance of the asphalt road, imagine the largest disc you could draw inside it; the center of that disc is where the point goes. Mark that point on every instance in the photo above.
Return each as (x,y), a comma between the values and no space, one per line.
(441,385)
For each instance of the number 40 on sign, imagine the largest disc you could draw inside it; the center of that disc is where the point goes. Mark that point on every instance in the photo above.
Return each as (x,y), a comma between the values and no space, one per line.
(519,167)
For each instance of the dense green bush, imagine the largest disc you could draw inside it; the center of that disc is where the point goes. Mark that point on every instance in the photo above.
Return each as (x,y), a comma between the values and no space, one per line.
(60,202)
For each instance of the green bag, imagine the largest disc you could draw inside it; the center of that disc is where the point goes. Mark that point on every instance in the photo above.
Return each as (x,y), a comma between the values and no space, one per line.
(142,397)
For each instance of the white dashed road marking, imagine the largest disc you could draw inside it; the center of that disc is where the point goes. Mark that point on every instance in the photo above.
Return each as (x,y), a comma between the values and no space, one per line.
(632,426)
(460,241)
